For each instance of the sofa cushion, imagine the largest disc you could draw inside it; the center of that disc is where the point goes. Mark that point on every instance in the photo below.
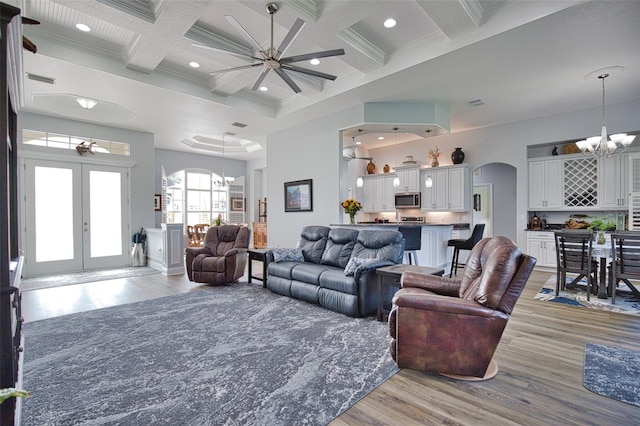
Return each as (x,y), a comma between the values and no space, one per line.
(379,244)
(354,263)
(313,240)
(335,279)
(287,255)
(340,243)
(282,269)
(308,272)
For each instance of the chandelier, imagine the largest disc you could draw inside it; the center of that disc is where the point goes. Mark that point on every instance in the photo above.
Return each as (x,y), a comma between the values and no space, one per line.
(603,146)
(224,181)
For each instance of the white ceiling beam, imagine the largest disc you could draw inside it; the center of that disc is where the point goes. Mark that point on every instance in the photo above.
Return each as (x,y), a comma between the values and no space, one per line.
(454,17)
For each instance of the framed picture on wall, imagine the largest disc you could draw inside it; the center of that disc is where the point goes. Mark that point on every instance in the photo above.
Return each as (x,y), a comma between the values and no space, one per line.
(237,204)
(157,202)
(298,196)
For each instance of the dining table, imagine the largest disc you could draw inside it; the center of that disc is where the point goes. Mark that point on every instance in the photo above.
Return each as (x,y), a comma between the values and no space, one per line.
(603,253)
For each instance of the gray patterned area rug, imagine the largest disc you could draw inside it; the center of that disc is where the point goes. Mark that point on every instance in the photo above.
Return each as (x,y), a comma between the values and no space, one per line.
(236,355)
(612,372)
(49,281)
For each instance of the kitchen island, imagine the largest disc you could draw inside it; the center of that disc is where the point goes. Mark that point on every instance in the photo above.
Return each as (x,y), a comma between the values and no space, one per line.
(434,251)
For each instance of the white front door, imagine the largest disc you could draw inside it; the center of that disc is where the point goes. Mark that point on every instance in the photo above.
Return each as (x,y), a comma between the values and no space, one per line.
(76,217)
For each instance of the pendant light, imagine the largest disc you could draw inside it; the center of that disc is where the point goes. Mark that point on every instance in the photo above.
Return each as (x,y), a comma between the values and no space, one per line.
(360,179)
(396,179)
(601,146)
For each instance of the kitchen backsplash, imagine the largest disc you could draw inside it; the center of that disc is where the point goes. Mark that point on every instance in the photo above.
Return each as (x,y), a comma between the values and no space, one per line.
(562,217)
(429,217)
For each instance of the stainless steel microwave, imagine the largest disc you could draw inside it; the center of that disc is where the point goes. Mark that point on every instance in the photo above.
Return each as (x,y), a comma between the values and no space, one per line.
(408,200)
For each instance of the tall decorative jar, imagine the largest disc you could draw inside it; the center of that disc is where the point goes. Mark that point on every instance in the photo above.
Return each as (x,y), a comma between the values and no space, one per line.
(457,156)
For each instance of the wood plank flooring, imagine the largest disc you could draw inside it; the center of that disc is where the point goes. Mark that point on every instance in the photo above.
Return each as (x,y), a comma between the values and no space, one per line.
(540,358)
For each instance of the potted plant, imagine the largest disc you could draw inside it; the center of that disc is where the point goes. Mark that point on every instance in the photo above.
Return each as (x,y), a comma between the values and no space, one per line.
(602,225)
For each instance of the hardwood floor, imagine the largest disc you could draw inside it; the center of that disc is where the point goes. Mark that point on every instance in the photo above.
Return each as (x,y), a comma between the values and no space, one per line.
(540,358)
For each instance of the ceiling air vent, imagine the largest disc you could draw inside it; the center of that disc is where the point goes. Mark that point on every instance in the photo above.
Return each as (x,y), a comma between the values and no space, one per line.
(476,103)
(41,78)
(230,133)
(239,124)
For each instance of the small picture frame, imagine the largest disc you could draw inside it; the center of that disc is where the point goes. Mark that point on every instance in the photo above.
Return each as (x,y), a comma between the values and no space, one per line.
(157,202)
(298,196)
(237,204)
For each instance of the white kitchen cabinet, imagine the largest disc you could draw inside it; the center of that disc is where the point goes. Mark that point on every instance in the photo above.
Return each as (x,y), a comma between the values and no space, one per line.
(450,189)
(545,184)
(378,194)
(542,246)
(409,179)
(613,181)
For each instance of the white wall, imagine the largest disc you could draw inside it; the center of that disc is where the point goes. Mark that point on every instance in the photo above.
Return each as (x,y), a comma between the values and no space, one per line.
(312,150)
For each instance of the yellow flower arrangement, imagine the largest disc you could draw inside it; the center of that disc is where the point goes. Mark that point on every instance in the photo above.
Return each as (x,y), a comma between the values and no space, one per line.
(351,206)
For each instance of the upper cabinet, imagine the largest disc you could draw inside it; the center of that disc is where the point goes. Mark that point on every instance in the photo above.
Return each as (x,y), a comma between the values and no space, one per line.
(378,193)
(545,188)
(579,183)
(450,188)
(613,181)
(409,179)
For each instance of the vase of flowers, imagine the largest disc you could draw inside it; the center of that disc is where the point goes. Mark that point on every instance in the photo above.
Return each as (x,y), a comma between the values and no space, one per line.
(602,225)
(434,154)
(351,207)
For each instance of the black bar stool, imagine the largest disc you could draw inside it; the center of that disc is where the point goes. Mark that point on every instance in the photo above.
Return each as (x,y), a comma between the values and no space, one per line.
(412,241)
(468,244)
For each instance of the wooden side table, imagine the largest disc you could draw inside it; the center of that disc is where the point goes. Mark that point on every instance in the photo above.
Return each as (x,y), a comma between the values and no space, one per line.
(389,276)
(259,255)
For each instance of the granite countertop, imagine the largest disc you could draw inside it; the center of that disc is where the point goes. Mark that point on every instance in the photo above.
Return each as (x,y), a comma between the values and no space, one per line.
(396,224)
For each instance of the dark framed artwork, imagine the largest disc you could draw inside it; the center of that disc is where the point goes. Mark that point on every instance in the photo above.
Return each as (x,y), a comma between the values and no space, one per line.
(298,196)
(157,202)
(237,204)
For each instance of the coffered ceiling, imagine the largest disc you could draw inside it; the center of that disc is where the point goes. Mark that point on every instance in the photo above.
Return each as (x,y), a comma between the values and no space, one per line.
(522,59)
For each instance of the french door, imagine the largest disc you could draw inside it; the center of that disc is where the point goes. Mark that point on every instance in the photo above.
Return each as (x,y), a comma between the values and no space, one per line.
(76,217)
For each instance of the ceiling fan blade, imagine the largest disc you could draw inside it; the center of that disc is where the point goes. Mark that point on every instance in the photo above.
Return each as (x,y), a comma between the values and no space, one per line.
(252,41)
(288,80)
(291,35)
(242,67)
(229,52)
(309,56)
(307,71)
(260,79)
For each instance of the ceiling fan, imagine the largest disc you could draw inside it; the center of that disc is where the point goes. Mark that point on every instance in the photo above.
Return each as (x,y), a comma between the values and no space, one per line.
(271,58)
(353,155)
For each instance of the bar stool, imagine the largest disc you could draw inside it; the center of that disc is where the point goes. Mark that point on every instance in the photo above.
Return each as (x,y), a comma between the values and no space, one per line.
(468,244)
(412,241)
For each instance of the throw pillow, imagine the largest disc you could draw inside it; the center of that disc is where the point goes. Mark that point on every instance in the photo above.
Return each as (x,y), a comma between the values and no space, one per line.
(354,263)
(287,255)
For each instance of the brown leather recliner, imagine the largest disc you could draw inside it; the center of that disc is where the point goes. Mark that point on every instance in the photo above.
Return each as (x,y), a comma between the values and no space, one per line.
(452,326)
(222,259)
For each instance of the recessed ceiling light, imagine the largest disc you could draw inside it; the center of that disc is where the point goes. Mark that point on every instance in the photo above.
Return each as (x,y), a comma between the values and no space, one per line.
(83,27)
(358,142)
(86,103)
(390,23)
(314,61)
(194,64)
(264,88)
(380,138)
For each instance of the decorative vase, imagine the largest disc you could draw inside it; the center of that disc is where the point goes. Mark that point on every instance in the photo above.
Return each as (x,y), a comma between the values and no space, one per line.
(434,162)
(457,156)
(352,218)
(601,239)
(138,255)
(386,168)
(371,168)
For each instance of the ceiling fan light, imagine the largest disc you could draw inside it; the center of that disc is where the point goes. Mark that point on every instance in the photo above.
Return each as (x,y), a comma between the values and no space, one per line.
(360,182)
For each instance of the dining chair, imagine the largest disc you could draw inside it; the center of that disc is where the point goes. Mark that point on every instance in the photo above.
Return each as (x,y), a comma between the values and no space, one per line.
(573,254)
(625,263)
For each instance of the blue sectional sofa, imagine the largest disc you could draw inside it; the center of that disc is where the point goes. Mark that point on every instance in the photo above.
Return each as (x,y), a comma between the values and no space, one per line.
(335,267)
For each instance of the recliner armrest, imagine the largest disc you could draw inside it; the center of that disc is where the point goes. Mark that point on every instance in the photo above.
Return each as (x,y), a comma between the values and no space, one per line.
(433,283)
(369,266)
(194,251)
(426,301)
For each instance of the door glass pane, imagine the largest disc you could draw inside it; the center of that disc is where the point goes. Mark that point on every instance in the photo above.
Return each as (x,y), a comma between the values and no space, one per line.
(105,213)
(54,214)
